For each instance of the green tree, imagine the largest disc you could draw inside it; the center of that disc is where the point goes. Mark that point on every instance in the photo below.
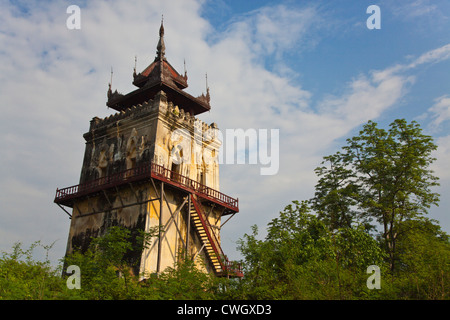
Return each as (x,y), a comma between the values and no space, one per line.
(107,271)
(336,192)
(184,281)
(107,266)
(22,277)
(380,175)
(423,261)
(301,258)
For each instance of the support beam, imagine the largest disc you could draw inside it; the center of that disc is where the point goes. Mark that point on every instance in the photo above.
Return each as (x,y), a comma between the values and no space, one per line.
(115,208)
(172,218)
(70,216)
(158,263)
(227,220)
(134,192)
(89,204)
(219,217)
(198,252)
(188,225)
(75,206)
(119,196)
(162,195)
(107,198)
(210,211)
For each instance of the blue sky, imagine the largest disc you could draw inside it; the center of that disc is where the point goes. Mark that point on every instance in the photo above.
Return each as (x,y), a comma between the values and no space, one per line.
(311,69)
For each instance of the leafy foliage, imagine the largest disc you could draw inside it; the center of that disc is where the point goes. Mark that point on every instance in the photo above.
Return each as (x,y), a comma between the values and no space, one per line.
(106,273)
(380,175)
(423,260)
(303,259)
(21,277)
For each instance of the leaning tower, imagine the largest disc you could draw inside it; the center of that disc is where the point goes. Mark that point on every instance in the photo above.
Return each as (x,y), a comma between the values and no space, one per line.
(153,164)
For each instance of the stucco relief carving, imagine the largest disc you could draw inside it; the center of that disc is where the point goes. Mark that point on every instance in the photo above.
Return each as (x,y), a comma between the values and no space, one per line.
(131,151)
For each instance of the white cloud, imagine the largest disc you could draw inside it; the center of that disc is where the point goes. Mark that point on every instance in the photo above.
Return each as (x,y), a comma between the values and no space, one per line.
(418,10)
(441,166)
(440,110)
(278,29)
(366,98)
(432,56)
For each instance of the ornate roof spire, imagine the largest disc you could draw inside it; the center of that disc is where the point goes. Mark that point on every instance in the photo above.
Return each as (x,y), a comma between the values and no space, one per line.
(160,75)
(161,48)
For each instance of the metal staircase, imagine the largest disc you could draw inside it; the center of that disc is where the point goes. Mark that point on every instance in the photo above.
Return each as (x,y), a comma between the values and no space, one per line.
(222,267)
(207,236)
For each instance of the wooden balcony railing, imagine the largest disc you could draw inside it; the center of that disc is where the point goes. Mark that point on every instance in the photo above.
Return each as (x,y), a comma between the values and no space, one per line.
(142,172)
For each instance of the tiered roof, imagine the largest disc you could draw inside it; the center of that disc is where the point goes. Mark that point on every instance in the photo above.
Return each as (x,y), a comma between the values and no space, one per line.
(160,75)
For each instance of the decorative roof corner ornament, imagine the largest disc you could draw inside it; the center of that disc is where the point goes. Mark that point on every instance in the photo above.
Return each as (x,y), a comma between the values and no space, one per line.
(207,97)
(135,63)
(109,85)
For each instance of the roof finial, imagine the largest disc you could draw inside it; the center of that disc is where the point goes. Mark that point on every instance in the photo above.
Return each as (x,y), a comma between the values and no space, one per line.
(207,89)
(110,84)
(161,48)
(135,63)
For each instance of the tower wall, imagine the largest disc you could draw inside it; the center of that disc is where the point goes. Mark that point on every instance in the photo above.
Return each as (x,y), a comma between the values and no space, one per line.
(155,131)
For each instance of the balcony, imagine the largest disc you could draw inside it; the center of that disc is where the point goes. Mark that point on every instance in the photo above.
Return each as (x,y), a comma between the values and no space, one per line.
(66,196)
(145,172)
